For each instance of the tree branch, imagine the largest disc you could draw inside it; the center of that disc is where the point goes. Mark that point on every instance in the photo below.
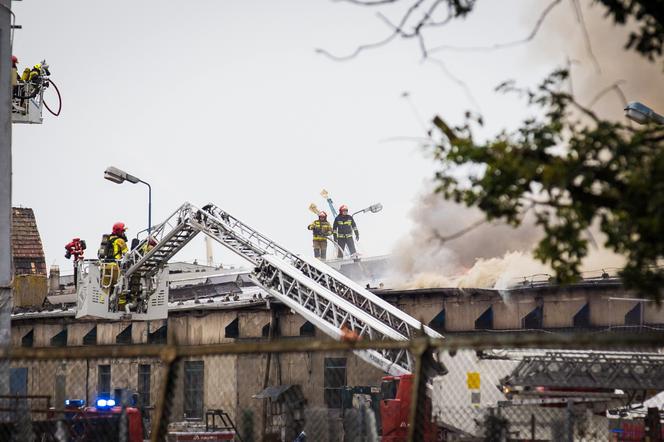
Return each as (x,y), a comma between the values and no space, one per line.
(530,36)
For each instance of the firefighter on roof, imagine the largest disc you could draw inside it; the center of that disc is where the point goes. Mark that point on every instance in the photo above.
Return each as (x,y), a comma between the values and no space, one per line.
(321,229)
(344,228)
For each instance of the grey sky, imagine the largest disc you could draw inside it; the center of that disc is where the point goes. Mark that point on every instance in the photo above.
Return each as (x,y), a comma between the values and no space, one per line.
(226,101)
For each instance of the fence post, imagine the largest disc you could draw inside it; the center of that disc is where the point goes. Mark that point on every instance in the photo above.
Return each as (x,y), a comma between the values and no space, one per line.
(169,358)
(416,425)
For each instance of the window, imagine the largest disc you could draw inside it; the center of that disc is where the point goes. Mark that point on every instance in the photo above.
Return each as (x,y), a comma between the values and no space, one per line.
(265,332)
(193,389)
(438,322)
(124,337)
(104,381)
(307,329)
(485,321)
(144,384)
(233,329)
(635,316)
(334,381)
(158,336)
(91,337)
(28,339)
(60,340)
(534,319)
(582,317)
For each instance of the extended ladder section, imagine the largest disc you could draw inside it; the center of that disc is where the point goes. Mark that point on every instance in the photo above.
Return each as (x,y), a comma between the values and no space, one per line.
(333,303)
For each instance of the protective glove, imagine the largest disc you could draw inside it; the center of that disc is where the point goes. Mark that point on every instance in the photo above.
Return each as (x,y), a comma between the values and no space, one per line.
(357,237)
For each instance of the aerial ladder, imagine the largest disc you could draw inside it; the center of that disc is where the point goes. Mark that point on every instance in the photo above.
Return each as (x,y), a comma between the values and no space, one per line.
(323,296)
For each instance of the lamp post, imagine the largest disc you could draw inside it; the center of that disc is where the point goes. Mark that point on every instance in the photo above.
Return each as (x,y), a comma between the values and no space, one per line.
(374,208)
(642,114)
(119,176)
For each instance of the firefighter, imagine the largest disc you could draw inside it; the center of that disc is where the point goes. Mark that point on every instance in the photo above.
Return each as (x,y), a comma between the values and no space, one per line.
(113,248)
(321,229)
(117,242)
(344,228)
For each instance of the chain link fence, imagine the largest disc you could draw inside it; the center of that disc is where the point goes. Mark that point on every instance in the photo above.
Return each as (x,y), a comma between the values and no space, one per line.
(492,388)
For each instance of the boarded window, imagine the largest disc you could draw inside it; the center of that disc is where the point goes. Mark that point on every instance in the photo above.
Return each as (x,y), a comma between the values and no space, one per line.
(91,337)
(193,389)
(104,381)
(233,329)
(307,329)
(60,340)
(334,381)
(144,384)
(124,337)
(28,339)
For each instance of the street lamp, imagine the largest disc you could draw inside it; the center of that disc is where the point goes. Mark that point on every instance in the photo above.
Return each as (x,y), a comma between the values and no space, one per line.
(642,114)
(120,176)
(374,208)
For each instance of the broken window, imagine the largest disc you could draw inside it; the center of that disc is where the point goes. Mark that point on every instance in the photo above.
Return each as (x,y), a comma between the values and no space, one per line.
(334,379)
(193,389)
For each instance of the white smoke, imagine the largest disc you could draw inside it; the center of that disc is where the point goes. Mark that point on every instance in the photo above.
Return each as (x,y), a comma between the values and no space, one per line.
(492,255)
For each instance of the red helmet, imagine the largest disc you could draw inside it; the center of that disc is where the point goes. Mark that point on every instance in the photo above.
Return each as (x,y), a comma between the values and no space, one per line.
(343,208)
(118,228)
(14,59)
(322,214)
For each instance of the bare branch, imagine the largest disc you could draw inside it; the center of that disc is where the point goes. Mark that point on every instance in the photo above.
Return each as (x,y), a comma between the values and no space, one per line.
(455,235)
(615,87)
(586,36)
(397,30)
(530,36)
(457,80)
(357,50)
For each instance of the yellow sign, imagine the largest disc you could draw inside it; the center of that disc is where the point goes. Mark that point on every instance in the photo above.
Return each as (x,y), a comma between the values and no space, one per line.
(473,380)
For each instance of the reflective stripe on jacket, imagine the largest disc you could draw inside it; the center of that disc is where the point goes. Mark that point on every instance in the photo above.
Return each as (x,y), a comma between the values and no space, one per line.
(321,229)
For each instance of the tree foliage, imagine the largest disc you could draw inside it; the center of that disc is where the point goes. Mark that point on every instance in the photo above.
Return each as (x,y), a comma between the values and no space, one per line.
(571,169)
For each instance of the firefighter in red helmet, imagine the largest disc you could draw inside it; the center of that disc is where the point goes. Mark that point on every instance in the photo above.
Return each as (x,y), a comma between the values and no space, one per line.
(344,227)
(322,230)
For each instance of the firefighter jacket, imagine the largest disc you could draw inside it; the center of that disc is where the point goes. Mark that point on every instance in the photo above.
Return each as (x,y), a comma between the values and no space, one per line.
(344,227)
(321,229)
(119,246)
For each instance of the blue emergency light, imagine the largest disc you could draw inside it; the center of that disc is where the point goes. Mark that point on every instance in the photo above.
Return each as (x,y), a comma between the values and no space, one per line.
(105,403)
(74,403)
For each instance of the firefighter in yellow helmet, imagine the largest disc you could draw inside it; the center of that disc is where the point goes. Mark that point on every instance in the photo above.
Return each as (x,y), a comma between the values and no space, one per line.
(321,229)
